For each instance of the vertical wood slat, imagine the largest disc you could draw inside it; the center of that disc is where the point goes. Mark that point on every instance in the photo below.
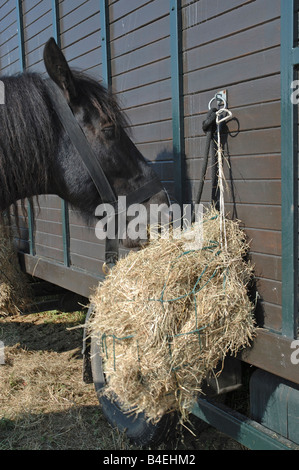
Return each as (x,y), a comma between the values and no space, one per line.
(20,25)
(177,96)
(105,43)
(289,173)
(111,246)
(64,204)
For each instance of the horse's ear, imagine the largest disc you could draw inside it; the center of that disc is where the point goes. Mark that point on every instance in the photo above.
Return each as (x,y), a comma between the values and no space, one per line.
(58,69)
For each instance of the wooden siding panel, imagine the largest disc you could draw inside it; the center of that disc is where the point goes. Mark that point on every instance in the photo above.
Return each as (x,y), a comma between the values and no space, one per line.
(266,266)
(84,28)
(246,118)
(256,91)
(48,239)
(154,72)
(90,265)
(80,36)
(148,94)
(84,233)
(149,113)
(260,38)
(85,248)
(241,167)
(35,47)
(44,226)
(91,250)
(66,7)
(119,10)
(265,241)
(153,131)
(142,37)
(9,27)
(137,19)
(235,21)
(261,192)
(269,315)
(236,71)
(48,214)
(139,57)
(256,215)
(49,200)
(5,9)
(37,21)
(229,46)
(255,142)
(51,253)
(35,11)
(269,290)
(48,231)
(157,151)
(141,71)
(70,18)
(75,53)
(9,53)
(204,10)
(9,63)
(32,29)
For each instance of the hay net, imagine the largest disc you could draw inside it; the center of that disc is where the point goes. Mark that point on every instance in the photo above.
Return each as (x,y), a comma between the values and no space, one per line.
(165,316)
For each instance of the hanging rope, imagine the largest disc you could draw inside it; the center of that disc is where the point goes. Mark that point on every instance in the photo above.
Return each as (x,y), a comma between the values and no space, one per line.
(212,125)
(209,127)
(221,178)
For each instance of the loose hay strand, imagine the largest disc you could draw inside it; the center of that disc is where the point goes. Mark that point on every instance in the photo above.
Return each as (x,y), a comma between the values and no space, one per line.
(14,289)
(169,315)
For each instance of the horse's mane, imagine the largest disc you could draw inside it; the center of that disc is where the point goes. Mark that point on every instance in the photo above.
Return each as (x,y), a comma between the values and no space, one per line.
(27,137)
(30,130)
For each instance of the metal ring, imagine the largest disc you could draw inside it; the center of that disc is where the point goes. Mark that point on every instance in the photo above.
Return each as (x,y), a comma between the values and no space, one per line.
(218,97)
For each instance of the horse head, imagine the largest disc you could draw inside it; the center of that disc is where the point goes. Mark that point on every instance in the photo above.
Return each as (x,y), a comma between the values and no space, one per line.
(104,125)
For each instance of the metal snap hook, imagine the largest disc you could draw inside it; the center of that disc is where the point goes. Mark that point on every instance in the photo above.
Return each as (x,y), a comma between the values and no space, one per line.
(105,269)
(224,118)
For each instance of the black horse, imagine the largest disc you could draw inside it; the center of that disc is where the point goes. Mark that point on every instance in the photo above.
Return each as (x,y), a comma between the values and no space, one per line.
(36,154)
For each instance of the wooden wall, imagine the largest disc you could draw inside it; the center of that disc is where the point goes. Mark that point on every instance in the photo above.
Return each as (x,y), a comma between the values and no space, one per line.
(9,51)
(232,45)
(235,46)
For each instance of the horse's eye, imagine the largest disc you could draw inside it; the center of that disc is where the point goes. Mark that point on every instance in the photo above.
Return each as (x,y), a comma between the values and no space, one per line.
(109,132)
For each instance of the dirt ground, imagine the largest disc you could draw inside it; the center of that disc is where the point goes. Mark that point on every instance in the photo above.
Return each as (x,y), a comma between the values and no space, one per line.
(44,403)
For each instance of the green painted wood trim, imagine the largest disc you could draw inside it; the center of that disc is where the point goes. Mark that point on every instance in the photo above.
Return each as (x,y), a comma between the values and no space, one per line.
(177,97)
(73,279)
(20,34)
(295,56)
(244,430)
(289,174)
(65,232)
(30,211)
(56,22)
(64,205)
(105,43)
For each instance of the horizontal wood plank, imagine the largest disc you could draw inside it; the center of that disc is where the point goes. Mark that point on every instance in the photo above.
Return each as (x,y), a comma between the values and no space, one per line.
(232,22)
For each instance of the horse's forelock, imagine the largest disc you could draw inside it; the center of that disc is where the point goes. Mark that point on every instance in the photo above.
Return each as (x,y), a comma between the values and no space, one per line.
(102,99)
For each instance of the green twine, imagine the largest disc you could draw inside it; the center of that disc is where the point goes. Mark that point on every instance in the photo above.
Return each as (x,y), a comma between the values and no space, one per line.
(212,246)
(114,338)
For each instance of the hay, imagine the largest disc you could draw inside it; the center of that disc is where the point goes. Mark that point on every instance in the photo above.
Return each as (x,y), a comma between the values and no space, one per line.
(15,294)
(166,316)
